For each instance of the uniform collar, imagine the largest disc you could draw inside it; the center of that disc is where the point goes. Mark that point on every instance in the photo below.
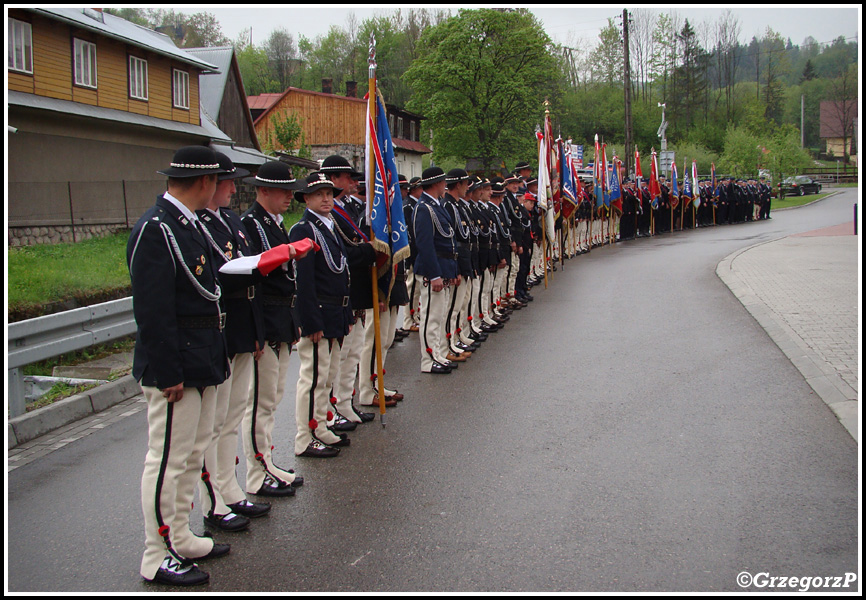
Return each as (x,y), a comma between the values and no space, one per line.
(181,207)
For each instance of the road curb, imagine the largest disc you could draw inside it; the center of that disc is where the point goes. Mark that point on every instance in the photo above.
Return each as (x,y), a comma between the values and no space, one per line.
(835,393)
(63,412)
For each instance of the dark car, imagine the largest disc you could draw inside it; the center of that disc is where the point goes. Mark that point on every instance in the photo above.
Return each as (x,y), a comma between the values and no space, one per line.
(799,185)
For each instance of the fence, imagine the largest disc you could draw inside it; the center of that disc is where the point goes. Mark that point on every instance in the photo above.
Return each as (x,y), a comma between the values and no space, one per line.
(52,335)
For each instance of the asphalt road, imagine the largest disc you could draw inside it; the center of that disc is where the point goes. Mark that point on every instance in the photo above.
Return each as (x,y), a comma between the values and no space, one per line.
(633,430)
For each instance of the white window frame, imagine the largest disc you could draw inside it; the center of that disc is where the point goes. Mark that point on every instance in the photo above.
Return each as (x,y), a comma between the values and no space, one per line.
(180,88)
(137,78)
(413,131)
(20,46)
(84,63)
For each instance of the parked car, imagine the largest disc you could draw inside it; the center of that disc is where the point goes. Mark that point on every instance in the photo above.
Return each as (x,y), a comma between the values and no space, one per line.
(799,185)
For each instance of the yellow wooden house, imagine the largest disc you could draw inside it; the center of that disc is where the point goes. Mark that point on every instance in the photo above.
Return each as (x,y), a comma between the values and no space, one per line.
(96,106)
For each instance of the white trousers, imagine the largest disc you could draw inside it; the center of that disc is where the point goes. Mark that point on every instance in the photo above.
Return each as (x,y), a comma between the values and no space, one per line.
(319,362)
(178,435)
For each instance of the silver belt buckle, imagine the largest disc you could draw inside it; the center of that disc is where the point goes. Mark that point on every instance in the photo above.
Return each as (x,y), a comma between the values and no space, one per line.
(222,321)
(251,292)
(345,301)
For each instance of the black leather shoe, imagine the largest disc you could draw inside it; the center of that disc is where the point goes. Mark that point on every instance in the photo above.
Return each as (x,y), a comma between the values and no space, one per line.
(251,510)
(176,574)
(270,487)
(317,449)
(229,522)
(343,441)
(365,417)
(215,552)
(438,369)
(343,424)
(298,481)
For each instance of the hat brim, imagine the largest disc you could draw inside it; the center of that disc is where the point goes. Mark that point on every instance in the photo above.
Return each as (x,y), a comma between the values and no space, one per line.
(181,173)
(236,174)
(291,184)
(300,195)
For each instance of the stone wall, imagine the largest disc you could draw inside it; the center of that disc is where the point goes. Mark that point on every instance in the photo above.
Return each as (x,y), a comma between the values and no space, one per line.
(31,236)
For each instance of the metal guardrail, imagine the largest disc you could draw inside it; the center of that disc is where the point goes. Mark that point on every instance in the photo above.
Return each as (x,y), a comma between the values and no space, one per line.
(52,335)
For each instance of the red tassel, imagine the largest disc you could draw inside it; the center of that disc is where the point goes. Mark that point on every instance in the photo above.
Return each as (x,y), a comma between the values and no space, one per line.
(469,318)
(314,424)
(259,457)
(447,336)
(373,377)
(334,400)
(330,415)
(205,476)
(272,448)
(412,311)
(458,330)
(237,461)
(429,351)
(163,531)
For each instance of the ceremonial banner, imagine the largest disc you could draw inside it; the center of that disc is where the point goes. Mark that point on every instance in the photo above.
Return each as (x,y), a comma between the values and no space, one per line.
(687,184)
(696,190)
(655,188)
(675,192)
(637,171)
(545,194)
(385,210)
(615,195)
(566,178)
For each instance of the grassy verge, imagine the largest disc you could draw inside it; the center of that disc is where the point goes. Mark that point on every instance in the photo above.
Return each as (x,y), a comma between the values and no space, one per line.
(46,275)
(791,201)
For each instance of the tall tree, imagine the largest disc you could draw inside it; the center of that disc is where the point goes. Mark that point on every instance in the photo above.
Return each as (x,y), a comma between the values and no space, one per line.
(607,59)
(775,61)
(282,56)
(480,78)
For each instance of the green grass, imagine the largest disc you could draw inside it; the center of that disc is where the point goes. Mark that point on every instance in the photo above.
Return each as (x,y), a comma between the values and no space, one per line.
(88,272)
(53,273)
(791,201)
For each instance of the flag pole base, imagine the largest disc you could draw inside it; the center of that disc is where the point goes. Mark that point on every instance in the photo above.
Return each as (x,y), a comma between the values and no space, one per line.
(382,420)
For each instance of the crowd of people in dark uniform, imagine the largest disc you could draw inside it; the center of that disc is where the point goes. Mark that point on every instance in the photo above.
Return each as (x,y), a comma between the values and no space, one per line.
(214,339)
(731,201)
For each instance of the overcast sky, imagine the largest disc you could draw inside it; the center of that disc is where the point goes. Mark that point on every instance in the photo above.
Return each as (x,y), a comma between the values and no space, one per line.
(563,23)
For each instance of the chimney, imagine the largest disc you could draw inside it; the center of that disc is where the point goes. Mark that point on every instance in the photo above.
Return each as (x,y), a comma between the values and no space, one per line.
(351,89)
(327,85)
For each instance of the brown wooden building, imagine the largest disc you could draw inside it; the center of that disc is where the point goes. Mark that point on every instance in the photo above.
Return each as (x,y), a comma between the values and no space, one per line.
(334,124)
(96,105)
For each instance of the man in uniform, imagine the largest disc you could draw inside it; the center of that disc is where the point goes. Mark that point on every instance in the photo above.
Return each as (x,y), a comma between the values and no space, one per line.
(274,185)
(457,183)
(348,214)
(223,502)
(766,195)
(180,358)
(324,314)
(435,270)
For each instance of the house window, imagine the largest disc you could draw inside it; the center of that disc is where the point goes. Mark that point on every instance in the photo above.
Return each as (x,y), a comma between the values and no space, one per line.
(413,131)
(85,63)
(181,89)
(20,46)
(400,127)
(391,124)
(137,78)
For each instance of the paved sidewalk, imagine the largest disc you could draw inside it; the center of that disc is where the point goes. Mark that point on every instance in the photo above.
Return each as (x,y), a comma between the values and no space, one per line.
(802,289)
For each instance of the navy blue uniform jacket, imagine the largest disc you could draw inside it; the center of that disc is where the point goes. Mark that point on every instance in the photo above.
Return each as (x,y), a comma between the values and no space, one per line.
(167,354)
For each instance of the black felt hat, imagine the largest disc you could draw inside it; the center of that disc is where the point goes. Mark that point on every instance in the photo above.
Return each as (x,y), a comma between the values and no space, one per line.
(275,174)
(456,176)
(315,181)
(337,164)
(192,161)
(229,168)
(432,175)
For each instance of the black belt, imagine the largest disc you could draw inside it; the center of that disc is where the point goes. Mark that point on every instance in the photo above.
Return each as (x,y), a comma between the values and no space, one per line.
(465,245)
(484,246)
(270,300)
(248,293)
(447,255)
(335,300)
(211,322)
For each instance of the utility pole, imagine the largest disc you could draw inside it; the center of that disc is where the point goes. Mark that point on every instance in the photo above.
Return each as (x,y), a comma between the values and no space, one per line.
(629,146)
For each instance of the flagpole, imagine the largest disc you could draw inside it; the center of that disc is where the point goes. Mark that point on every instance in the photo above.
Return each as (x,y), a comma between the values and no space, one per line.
(371,169)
